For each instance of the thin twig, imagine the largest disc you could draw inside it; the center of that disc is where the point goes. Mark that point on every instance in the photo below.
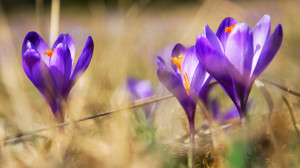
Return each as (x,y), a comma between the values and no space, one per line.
(150,101)
(281,87)
(292,116)
(22,134)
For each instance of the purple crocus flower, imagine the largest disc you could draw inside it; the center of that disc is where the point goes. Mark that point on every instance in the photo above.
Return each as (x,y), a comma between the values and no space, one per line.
(185,78)
(140,89)
(236,55)
(50,69)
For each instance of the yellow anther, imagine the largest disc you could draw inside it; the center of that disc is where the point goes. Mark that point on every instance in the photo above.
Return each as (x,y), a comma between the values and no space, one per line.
(229,29)
(49,52)
(178,61)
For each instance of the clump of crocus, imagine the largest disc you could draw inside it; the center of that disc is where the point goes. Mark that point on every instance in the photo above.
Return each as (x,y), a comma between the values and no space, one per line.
(236,55)
(185,78)
(141,89)
(50,69)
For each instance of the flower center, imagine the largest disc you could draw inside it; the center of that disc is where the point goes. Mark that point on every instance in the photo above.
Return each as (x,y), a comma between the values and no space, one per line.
(49,52)
(178,61)
(229,29)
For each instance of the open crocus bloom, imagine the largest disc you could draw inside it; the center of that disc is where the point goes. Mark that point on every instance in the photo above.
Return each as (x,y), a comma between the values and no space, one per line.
(184,77)
(236,55)
(140,89)
(50,69)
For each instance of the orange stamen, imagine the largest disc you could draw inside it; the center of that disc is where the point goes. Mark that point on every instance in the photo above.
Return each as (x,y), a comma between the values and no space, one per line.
(178,61)
(187,83)
(229,29)
(49,52)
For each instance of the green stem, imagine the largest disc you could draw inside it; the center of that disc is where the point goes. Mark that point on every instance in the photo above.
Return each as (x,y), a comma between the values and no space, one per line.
(244,126)
(191,146)
(244,118)
(244,122)
(60,118)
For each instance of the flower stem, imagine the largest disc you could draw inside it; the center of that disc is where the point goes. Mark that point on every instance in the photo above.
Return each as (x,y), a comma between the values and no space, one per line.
(60,118)
(191,146)
(244,117)
(244,126)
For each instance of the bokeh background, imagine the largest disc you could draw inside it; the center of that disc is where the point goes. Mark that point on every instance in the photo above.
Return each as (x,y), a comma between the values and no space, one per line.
(128,35)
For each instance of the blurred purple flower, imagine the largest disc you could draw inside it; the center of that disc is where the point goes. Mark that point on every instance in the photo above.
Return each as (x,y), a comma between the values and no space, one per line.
(236,55)
(229,114)
(185,78)
(140,89)
(50,70)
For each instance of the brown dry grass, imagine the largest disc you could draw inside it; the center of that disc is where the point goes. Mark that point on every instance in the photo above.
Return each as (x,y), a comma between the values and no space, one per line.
(127,41)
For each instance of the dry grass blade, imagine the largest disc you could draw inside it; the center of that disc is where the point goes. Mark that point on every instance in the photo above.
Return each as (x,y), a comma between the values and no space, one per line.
(292,116)
(54,21)
(150,101)
(281,87)
(268,98)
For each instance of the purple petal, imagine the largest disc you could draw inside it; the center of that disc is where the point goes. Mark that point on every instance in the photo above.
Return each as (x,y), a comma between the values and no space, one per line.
(213,39)
(230,114)
(35,41)
(221,34)
(61,67)
(215,109)
(131,83)
(66,39)
(199,82)
(189,63)
(84,59)
(268,52)
(189,107)
(212,61)
(261,33)
(173,82)
(204,94)
(217,65)
(139,89)
(162,63)
(178,49)
(82,63)
(239,50)
(144,89)
(39,74)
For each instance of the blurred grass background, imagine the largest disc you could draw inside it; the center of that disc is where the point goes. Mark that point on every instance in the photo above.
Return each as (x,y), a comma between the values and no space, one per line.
(128,35)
